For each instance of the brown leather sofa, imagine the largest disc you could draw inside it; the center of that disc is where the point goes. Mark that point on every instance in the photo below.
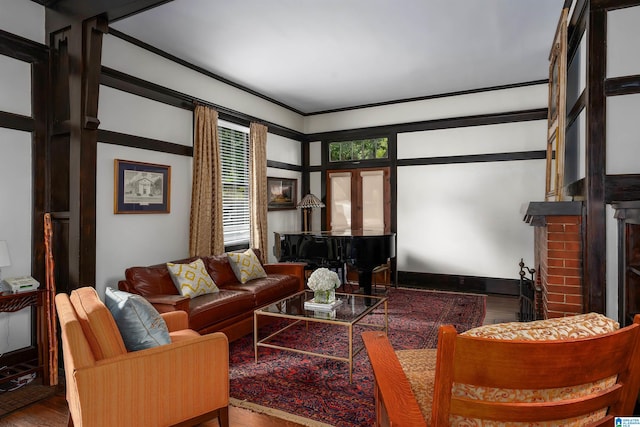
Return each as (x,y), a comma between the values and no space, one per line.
(230,310)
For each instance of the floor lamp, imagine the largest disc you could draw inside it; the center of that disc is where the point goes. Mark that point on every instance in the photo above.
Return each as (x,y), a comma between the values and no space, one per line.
(307,203)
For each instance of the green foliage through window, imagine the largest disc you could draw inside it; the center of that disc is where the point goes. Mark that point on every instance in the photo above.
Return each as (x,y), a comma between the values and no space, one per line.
(361,149)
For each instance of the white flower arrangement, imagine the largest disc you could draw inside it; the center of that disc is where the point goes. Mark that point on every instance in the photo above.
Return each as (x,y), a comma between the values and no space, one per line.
(323,279)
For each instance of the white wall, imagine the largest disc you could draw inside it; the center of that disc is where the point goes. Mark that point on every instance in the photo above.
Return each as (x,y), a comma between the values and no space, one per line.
(521,98)
(23,18)
(130,59)
(155,238)
(125,240)
(15,228)
(623,33)
(623,59)
(467,219)
(289,151)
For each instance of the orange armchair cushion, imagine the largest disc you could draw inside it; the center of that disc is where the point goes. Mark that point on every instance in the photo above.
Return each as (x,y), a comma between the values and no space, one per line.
(97,324)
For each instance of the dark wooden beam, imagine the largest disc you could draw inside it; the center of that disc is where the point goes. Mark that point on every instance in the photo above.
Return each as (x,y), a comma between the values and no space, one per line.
(131,84)
(134,141)
(627,85)
(455,122)
(595,251)
(17,122)
(620,188)
(604,5)
(75,71)
(67,11)
(22,49)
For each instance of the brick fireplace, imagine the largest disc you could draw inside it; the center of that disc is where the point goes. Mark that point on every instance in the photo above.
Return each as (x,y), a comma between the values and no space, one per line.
(558,256)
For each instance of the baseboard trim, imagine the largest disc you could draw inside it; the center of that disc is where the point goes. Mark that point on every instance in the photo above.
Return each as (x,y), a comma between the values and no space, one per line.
(458,283)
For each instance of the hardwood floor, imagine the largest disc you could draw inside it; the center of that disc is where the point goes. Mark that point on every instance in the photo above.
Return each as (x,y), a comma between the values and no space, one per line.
(53,412)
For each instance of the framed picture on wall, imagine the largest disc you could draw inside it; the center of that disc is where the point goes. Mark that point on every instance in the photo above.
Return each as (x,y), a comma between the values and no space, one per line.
(281,193)
(141,187)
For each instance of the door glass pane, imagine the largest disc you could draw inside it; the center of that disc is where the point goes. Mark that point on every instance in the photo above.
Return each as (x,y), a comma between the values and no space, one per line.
(373,200)
(340,201)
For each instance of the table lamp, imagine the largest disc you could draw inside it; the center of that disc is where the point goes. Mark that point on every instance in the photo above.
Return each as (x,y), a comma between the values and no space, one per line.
(307,203)
(5,261)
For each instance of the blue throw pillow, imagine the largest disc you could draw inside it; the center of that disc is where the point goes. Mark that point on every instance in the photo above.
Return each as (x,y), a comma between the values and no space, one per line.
(140,324)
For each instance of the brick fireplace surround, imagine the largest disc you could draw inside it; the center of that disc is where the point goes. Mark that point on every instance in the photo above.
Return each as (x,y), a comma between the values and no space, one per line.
(558,256)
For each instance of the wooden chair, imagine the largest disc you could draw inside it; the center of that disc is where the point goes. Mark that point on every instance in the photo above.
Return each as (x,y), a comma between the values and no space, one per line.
(606,368)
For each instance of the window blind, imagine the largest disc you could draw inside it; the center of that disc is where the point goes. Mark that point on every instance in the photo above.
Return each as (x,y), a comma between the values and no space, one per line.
(234,154)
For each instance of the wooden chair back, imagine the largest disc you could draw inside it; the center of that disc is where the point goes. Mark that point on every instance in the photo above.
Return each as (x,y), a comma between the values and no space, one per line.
(536,365)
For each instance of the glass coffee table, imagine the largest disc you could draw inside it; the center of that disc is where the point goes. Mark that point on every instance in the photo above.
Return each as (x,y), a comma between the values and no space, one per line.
(351,311)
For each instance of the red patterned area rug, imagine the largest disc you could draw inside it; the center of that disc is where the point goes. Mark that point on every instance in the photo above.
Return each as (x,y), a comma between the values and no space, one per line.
(317,388)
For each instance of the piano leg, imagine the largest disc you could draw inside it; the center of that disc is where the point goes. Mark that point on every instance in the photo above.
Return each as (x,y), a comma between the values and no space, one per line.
(364,281)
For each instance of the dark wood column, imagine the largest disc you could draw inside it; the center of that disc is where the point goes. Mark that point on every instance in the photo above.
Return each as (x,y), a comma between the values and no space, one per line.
(595,249)
(76,62)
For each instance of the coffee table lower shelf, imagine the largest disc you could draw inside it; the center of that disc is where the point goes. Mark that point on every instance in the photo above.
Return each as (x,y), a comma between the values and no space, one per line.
(299,318)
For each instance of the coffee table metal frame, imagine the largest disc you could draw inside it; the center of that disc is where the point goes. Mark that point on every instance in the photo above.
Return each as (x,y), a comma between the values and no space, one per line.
(310,316)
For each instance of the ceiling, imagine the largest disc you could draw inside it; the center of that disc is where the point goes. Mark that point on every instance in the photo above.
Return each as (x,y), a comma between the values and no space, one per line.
(320,55)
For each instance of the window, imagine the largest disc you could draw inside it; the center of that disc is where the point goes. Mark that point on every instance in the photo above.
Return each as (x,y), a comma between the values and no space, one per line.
(362,149)
(234,157)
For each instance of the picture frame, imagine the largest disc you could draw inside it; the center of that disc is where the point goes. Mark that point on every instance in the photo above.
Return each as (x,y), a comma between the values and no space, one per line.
(281,193)
(141,188)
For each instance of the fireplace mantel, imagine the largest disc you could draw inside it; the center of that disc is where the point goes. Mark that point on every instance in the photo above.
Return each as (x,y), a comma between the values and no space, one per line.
(538,211)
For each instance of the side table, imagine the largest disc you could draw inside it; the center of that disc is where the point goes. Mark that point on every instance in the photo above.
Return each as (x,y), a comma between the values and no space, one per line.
(12,302)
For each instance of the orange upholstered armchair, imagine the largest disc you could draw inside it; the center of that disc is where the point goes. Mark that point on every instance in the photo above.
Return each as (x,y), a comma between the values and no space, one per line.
(184,382)
(574,371)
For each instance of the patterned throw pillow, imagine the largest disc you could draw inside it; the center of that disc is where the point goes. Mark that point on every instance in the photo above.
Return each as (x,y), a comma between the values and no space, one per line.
(139,323)
(246,265)
(192,279)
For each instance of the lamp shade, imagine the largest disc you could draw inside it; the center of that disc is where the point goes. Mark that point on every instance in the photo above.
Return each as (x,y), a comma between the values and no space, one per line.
(5,261)
(310,201)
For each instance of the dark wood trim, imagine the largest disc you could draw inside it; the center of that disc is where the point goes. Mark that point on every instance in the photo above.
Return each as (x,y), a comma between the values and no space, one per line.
(475,158)
(627,85)
(595,251)
(454,122)
(578,107)
(428,97)
(193,67)
(17,121)
(23,49)
(40,107)
(620,188)
(576,189)
(134,141)
(81,10)
(131,84)
(285,166)
(576,28)
(458,283)
(134,85)
(605,5)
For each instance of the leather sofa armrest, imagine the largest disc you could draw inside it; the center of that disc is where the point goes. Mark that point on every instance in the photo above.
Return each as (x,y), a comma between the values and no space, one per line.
(292,268)
(165,303)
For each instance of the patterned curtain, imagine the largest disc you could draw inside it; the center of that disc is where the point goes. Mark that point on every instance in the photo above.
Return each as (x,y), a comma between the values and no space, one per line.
(205,228)
(258,184)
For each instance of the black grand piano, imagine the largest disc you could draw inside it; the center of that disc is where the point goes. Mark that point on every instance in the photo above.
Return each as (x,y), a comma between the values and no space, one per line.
(364,249)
